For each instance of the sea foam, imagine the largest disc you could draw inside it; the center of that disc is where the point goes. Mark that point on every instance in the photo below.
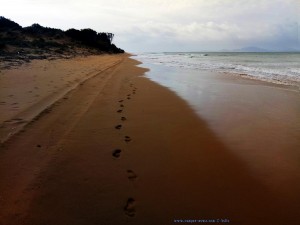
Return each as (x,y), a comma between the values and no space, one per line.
(282,68)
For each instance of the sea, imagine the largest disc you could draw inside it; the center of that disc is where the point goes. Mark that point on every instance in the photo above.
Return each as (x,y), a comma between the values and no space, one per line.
(253,117)
(280,68)
(256,119)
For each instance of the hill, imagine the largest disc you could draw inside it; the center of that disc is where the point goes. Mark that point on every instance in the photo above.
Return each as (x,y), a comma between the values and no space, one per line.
(257,49)
(21,44)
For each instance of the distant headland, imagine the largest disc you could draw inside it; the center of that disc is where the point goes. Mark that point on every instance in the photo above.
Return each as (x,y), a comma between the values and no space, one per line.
(21,44)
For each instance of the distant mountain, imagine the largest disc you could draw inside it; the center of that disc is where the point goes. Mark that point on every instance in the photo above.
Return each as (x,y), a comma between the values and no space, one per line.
(246,49)
(286,50)
(252,49)
(37,42)
(257,49)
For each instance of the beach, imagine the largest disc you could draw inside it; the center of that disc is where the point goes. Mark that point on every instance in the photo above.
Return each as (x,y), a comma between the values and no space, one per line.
(92,140)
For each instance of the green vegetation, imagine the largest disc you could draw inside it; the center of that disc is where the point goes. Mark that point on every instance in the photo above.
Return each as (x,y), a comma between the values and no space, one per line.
(7,24)
(16,40)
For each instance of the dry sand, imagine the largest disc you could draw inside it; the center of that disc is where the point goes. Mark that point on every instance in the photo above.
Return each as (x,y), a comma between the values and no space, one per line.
(26,91)
(120,149)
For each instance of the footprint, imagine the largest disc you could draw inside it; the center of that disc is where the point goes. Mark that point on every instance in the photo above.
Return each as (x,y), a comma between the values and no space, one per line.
(118,127)
(128,98)
(116,153)
(121,101)
(131,175)
(127,139)
(120,110)
(123,118)
(129,208)
(121,105)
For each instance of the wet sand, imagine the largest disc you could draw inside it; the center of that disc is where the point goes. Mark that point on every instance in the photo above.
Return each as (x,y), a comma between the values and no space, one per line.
(121,149)
(258,121)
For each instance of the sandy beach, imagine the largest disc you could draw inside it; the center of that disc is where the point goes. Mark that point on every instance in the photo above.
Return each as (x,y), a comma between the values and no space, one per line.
(29,89)
(91,140)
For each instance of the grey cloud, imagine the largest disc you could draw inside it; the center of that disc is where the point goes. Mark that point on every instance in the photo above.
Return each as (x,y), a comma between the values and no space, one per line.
(170,24)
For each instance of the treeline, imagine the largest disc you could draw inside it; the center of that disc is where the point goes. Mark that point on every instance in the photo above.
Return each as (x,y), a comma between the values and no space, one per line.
(91,38)
(12,33)
(7,24)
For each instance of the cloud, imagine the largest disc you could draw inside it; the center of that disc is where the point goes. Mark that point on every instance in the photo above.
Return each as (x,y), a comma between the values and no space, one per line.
(168,25)
(213,24)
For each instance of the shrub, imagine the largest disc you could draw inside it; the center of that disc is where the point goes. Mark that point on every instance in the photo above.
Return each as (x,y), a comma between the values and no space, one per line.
(36,30)
(7,24)
(2,45)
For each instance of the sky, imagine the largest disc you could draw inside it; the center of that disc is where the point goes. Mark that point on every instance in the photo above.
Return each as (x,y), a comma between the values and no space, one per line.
(170,25)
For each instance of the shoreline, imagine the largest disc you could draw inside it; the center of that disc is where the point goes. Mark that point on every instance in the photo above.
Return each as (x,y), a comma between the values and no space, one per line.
(236,64)
(258,121)
(65,168)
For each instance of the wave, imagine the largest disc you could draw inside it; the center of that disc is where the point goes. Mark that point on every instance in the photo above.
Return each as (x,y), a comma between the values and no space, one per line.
(276,68)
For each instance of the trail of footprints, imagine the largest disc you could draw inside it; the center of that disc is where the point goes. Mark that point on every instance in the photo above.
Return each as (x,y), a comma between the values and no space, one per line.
(129,208)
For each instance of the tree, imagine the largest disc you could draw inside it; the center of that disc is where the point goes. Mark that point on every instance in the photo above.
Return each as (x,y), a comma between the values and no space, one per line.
(7,24)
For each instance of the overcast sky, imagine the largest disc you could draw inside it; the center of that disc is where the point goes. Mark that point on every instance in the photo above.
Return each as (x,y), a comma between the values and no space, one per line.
(170,25)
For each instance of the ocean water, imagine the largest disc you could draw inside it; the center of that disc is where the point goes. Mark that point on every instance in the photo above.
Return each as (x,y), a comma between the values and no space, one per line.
(282,68)
(258,121)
